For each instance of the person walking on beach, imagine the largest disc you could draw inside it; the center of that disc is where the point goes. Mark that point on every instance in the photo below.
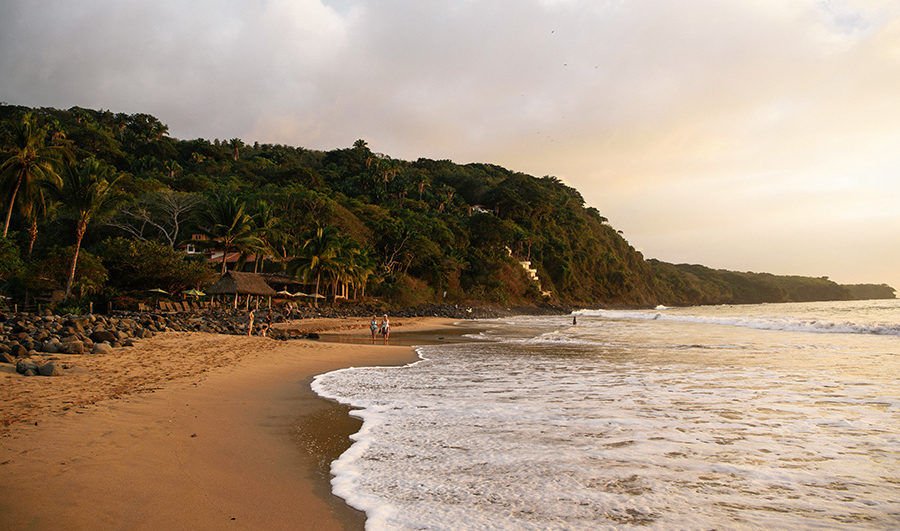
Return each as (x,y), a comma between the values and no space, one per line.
(373,326)
(250,326)
(385,328)
(265,328)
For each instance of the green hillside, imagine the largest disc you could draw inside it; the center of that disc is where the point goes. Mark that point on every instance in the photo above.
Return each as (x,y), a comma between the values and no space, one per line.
(405,232)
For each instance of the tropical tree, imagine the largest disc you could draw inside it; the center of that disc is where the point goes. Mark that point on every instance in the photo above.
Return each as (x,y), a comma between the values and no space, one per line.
(41,205)
(31,160)
(268,230)
(350,264)
(88,192)
(52,271)
(228,225)
(10,263)
(161,212)
(235,144)
(143,265)
(316,256)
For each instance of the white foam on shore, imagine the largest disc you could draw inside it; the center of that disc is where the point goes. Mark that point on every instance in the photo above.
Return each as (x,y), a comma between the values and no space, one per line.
(781,323)
(528,430)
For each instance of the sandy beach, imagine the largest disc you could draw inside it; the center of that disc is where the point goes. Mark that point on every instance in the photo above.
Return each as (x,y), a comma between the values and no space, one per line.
(185,430)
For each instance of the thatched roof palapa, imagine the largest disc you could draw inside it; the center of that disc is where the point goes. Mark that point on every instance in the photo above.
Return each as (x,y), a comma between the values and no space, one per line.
(241,283)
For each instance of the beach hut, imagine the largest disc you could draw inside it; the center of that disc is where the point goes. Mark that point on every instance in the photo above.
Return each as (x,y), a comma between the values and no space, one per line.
(238,284)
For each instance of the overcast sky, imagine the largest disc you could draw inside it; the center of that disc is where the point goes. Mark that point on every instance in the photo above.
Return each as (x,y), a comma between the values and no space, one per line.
(756,135)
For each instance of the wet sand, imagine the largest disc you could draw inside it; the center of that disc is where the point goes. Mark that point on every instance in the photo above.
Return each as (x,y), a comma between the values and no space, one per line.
(186,430)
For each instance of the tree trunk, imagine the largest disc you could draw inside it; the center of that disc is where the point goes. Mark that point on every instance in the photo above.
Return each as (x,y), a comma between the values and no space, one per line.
(316,296)
(224,256)
(12,201)
(32,235)
(79,234)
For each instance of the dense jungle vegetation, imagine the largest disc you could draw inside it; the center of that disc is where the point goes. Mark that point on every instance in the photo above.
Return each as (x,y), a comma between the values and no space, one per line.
(100,205)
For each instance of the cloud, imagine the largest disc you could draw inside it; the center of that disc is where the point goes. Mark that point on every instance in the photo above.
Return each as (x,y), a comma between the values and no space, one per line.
(726,132)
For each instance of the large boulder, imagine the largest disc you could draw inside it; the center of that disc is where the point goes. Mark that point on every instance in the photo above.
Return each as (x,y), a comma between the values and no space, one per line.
(77,323)
(102,348)
(72,347)
(52,346)
(24,366)
(103,336)
(50,369)
(18,351)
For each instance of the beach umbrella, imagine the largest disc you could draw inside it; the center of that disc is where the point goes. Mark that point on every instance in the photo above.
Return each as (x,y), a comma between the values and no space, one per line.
(300,294)
(284,293)
(194,292)
(158,290)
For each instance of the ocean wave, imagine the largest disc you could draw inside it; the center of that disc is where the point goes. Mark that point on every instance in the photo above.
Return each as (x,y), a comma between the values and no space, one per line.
(780,323)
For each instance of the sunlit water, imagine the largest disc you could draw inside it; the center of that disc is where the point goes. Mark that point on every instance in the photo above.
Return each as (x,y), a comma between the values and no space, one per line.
(783,416)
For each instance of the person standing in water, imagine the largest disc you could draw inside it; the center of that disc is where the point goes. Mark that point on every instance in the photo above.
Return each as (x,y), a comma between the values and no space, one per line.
(373,326)
(385,328)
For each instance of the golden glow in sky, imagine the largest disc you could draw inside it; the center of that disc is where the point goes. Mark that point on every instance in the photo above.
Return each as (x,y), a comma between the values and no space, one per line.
(757,135)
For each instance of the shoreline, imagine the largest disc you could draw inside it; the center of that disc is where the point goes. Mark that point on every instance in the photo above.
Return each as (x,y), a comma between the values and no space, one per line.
(190,430)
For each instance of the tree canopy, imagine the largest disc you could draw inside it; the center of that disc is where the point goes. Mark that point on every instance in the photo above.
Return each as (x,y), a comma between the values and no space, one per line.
(406,231)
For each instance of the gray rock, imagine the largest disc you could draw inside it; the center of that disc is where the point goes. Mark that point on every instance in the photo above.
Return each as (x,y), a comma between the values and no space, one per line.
(50,369)
(102,348)
(77,323)
(53,346)
(72,347)
(128,343)
(103,336)
(23,366)
(6,358)
(18,351)
(69,338)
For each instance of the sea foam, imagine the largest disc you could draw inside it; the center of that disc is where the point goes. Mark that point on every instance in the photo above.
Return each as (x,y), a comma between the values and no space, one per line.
(609,424)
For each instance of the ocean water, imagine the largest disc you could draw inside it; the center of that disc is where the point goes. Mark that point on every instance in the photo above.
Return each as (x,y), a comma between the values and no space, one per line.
(783,416)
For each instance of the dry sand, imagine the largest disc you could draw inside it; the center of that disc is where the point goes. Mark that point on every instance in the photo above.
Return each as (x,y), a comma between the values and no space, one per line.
(184,431)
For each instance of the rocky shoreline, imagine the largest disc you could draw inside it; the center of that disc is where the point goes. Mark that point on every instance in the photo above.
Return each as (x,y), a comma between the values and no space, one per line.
(42,344)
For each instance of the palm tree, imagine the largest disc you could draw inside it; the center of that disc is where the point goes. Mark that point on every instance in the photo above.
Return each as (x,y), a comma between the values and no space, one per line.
(39,206)
(236,144)
(229,227)
(316,256)
(268,228)
(88,191)
(349,263)
(31,160)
